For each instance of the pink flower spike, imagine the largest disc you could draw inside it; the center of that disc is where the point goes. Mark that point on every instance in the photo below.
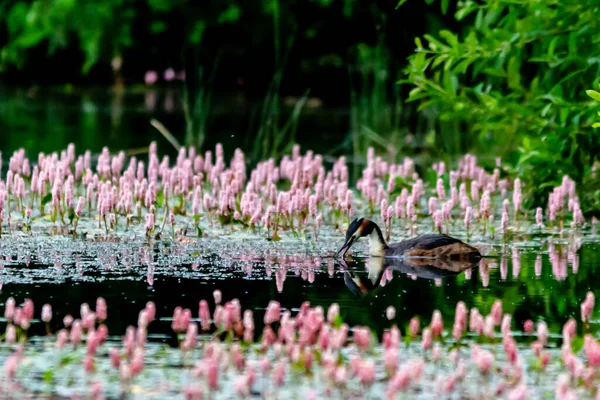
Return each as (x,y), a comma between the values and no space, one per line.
(528,326)
(542,332)
(390,312)
(217,296)
(587,307)
(437,326)
(333,312)
(362,337)
(413,327)
(46,313)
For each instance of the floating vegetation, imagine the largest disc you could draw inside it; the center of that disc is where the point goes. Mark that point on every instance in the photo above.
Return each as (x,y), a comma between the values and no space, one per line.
(118,196)
(305,352)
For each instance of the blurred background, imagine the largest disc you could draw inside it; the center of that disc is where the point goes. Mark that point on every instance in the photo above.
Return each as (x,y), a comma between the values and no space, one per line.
(421,78)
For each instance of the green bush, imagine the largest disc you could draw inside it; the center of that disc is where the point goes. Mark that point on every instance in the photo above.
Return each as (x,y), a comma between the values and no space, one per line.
(515,76)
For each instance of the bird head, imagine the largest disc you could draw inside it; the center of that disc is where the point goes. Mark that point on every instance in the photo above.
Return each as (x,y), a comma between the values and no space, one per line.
(357,229)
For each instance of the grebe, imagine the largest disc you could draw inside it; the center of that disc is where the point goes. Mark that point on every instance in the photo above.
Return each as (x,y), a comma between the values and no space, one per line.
(425,246)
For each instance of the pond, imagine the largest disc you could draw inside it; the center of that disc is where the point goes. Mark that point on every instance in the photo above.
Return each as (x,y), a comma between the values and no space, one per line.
(198,275)
(46,119)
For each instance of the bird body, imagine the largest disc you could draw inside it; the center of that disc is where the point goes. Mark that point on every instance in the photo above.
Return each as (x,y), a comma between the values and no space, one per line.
(425,246)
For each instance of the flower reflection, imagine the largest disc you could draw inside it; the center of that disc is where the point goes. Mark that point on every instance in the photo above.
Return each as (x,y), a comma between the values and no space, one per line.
(538,265)
(484,271)
(516,262)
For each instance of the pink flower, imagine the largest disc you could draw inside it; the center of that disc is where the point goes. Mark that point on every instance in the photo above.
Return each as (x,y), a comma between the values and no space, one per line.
(528,326)
(483,359)
(437,326)
(279,373)
(61,339)
(437,219)
(151,77)
(333,312)
(592,350)
(413,327)
(46,313)
(468,213)
(9,311)
(505,327)
(149,222)
(11,334)
(440,189)
(115,357)
(28,309)
(496,312)
(542,332)
(390,359)
(427,339)
(150,311)
(366,372)
(390,312)
(587,307)
(504,221)
(518,393)
(88,363)
(569,330)
(217,296)
(169,74)
(273,313)
(402,379)
(362,337)
(212,374)
(67,320)
(101,308)
(10,365)
(432,205)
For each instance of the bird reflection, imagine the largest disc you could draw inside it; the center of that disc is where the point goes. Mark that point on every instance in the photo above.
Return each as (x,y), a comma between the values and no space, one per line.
(380,269)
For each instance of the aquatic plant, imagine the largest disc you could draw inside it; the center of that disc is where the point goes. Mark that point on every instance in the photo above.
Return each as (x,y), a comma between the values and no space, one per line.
(507,78)
(197,192)
(311,351)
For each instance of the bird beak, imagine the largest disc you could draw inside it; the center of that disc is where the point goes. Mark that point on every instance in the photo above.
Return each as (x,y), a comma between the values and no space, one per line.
(346,246)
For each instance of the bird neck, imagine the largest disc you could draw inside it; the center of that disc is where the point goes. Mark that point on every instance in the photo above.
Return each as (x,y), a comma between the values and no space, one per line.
(377,244)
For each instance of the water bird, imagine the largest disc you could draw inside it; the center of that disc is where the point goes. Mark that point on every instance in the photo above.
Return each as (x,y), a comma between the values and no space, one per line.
(426,246)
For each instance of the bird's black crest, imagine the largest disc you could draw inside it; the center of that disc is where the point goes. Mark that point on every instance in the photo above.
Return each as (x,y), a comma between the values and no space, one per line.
(353,227)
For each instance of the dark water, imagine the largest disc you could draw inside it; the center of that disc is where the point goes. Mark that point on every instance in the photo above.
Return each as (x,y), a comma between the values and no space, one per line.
(46,119)
(551,290)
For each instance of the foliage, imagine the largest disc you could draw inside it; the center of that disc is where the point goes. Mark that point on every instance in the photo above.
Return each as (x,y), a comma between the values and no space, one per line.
(516,75)
(102,29)
(54,23)
(374,114)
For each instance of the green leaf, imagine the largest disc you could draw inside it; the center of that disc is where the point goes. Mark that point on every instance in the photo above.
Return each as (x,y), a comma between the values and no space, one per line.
(514,73)
(400,3)
(66,360)
(465,10)
(199,231)
(593,94)
(49,376)
(16,18)
(445,4)
(158,26)
(576,344)
(552,46)
(197,32)
(232,14)
(46,199)
(596,125)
